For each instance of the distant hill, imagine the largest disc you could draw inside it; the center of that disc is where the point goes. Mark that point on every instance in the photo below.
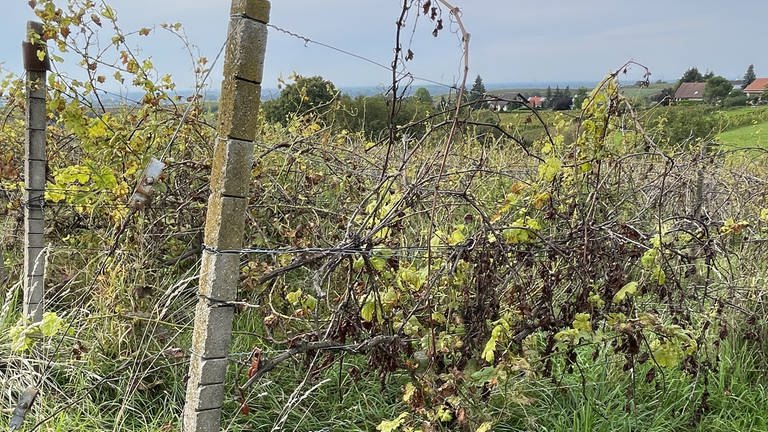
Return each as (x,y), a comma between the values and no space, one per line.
(354,91)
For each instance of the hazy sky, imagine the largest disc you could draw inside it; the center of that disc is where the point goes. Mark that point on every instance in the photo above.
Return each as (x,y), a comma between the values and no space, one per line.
(512,40)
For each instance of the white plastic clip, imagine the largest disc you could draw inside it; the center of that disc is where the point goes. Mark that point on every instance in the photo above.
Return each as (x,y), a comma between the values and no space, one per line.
(144,190)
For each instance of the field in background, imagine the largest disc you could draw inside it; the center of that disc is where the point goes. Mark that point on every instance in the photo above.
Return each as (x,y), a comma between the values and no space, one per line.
(747,136)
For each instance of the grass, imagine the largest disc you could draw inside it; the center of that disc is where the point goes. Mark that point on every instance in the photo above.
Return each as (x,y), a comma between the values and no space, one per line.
(637,92)
(597,396)
(671,402)
(755,135)
(145,388)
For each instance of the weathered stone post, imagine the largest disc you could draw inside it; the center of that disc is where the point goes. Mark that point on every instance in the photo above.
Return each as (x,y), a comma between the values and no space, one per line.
(36,64)
(698,196)
(225,220)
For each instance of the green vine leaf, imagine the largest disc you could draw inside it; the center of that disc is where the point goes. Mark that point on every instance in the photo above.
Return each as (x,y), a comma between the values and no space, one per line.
(367,311)
(51,324)
(628,290)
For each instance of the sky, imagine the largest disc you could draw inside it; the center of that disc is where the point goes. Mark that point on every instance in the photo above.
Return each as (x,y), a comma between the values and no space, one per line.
(545,42)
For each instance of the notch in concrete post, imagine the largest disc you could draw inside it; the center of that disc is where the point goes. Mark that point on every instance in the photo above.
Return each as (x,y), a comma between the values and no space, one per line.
(36,63)
(225,219)
(34,50)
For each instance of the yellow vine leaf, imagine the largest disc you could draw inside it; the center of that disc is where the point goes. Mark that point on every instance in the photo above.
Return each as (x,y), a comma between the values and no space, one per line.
(408,393)
(628,290)
(550,168)
(293,297)
(485,427)
(488,351)
(108,13)
(392,425)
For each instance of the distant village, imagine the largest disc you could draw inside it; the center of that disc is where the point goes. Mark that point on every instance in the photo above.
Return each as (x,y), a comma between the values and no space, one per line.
(693,87)
(694,91)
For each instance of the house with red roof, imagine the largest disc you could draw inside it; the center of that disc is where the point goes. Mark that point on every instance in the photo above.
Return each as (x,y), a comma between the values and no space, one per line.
(691,91)
(756,87)
(536,101)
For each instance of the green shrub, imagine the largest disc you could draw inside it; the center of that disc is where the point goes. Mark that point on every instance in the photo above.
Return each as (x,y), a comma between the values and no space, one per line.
(684,124)
(735,101)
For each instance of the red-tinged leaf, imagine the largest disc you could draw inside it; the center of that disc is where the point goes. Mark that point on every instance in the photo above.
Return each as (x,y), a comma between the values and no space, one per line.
(255,363)
(245,409)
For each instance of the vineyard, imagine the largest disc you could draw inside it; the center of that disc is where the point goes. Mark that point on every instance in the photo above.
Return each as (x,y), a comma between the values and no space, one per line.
(598,269)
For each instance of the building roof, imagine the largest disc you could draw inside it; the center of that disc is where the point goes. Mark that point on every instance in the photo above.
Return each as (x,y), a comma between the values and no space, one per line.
(693,90)
(757,86)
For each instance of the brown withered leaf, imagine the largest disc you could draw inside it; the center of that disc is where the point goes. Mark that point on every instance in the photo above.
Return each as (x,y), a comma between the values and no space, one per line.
(78,350)
(174,352)
(245,409)
(723,332)
(651,375)
(461,416)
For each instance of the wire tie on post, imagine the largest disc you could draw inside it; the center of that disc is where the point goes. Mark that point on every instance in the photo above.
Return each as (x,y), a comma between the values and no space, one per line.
(216,251)
(209,249)
(215,303)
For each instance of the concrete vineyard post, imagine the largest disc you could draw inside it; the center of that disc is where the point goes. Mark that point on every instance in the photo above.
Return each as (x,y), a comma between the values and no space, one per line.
(36,64)
(225,219)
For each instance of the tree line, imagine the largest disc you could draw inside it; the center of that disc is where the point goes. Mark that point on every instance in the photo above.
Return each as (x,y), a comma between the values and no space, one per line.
(370,114)
(557,99)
